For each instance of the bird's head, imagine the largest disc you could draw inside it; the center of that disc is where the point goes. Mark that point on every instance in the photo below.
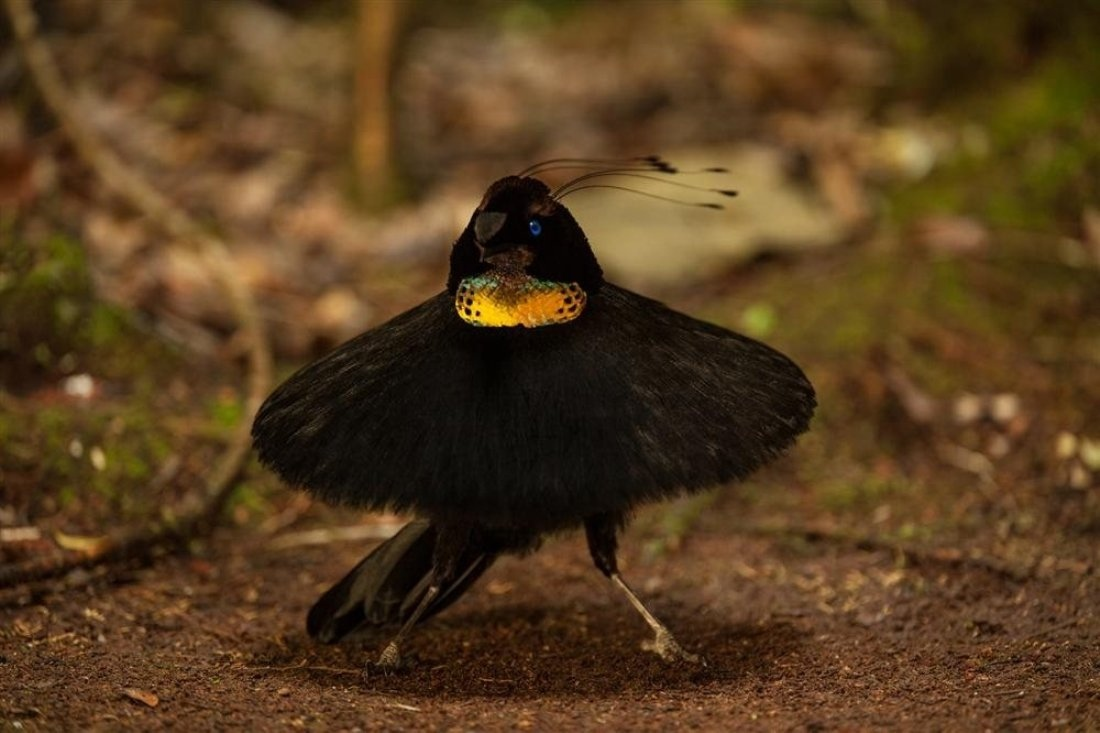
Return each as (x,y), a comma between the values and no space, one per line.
(523,259)
(519,228)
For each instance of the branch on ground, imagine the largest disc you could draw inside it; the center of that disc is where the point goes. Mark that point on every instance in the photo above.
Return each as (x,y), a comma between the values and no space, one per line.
(913,556)
(174,221)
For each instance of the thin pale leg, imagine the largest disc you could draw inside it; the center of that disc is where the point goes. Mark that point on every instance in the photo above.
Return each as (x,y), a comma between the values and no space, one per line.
(450,543)
(664,644)
(602,532)
(391,655)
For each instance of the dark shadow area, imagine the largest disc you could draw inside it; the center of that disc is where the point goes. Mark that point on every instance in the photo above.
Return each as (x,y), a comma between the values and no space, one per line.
(518,651)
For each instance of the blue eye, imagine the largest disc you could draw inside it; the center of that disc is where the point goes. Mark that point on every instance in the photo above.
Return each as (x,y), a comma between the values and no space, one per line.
(535,226)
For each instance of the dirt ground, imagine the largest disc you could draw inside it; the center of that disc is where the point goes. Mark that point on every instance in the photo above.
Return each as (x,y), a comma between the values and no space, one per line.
(926,557)
(810,635)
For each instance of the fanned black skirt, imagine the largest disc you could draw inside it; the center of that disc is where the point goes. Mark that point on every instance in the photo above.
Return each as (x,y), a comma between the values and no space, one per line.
(630,402)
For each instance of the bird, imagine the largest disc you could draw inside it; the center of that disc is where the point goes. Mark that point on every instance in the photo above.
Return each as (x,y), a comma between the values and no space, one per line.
(530,397)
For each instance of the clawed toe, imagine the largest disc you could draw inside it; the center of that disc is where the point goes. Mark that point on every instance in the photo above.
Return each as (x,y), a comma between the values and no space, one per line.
(389,661)
(668,649)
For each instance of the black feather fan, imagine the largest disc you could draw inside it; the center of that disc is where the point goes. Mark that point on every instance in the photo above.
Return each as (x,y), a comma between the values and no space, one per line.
(528,397)
(630,402)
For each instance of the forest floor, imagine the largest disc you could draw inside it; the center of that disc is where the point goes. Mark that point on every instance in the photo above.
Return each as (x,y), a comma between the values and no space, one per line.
(883,574)
(924,558)
(797,634)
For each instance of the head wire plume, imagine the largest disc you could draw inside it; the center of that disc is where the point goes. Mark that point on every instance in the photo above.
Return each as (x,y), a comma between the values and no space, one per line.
(640,163)
(648,168)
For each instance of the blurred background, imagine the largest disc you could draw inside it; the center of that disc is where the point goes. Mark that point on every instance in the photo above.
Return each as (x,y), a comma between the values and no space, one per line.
(918,225)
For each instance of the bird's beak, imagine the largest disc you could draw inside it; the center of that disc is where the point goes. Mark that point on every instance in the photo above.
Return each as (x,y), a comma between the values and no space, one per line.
(487,224)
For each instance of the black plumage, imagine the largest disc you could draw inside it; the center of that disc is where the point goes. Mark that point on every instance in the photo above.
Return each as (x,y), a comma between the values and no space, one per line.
(496,435)
(392,580)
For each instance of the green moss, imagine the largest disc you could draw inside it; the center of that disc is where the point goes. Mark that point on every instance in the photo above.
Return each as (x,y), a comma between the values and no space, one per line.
(42,298)
(1043,133)
(951,325)
(911,531)
(863,494)
(251,500)
(99,457)
(105,326)
(226,410)
(759,320)
(86,458)
(53,323)
(1023,74)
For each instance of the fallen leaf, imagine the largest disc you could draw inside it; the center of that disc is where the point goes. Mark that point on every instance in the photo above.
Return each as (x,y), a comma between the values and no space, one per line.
(1090,223)
(920,406)
(499,587)
(20,534)
(92,546)
(1065,445)
(1090,453)
(143,696)
(1004,407)
(968,408)
(957,235)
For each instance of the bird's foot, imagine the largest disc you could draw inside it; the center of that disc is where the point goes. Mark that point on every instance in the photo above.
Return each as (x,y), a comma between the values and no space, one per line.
(390,659)
(667,648)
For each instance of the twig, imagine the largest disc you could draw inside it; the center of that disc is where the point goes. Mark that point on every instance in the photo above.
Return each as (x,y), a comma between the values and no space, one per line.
(135,190)
(1049,630)
(911,555)
(304,666)
(329,535)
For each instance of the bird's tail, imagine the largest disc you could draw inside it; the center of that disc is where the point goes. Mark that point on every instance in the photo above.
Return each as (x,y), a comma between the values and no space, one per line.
(389,583)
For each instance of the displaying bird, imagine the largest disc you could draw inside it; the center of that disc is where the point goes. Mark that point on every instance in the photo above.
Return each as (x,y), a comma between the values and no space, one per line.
(529,397)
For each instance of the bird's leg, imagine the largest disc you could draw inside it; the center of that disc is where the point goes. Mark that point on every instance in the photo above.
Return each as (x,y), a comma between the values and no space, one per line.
(602,531)
(450,542)
(391,655)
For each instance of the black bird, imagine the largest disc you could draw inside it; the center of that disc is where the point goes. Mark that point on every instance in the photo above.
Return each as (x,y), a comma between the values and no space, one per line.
(529,397)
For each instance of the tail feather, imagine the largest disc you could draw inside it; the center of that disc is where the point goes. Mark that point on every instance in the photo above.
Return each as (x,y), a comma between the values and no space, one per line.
(389,583)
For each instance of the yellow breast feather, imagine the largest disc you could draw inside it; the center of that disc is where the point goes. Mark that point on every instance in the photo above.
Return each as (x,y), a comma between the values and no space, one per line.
(493,300)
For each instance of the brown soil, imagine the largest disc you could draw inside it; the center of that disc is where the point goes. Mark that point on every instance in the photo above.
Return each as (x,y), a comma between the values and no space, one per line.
(817,636)
(960,589)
